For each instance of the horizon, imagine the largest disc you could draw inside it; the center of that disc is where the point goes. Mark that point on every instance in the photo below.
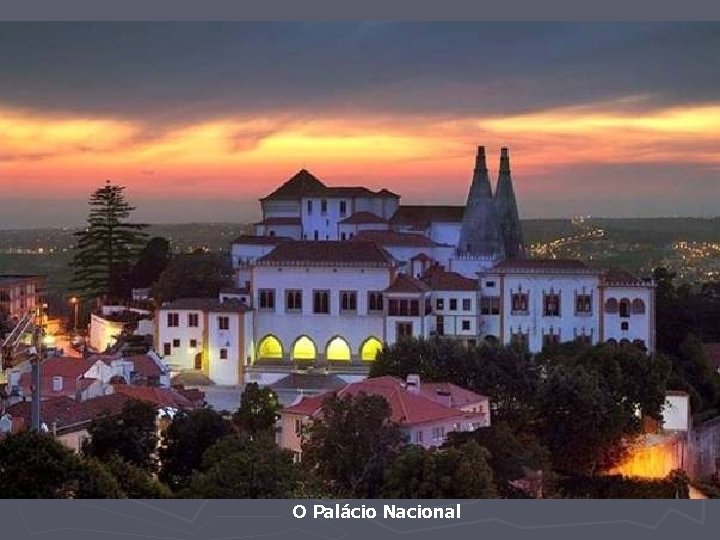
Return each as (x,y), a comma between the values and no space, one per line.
(200,120)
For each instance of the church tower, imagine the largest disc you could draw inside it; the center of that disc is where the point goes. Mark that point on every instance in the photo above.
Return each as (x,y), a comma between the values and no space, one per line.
(479,234)
(510,230)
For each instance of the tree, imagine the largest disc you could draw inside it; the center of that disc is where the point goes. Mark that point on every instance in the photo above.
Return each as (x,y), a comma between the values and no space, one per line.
(192,275)
(674,317)
(460,472)
(185,441)
(130,436)
(511,455)
(108,246)
(151,262)
(136,483)
(35,466)
(96,481)
(259,409)
(350,445)
(244,466)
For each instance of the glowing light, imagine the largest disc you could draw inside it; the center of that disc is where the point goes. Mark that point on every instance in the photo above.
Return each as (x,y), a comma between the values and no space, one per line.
(338,349)
(651,461)
(270,347)
(304,349)
(370,349)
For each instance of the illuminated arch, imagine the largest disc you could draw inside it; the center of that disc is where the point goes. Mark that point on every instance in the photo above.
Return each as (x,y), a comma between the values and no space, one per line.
(270,347)
(370,348)
(304,349)
(337,349)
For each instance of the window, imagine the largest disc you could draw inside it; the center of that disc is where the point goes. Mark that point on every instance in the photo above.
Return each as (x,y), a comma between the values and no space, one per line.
(520,340)
(266,299)
(440,304)
(167,349)
(272,233)
(375,301)
(343,208)
(583,304)
(403,307)
(466,325)
(440,325)
(403,329)
(173,320)
(293,300)
(317,235)
(466,304)
(551,305)
(348,301)
(223,322)
(418,437)
(309,207)
(321,302)
(611,306)
(298,427)
(490,284)
(453,304)
(584,338)
(323,206)
(438,433)
(176,343)
(519,303)
(193,320)
(490,305)
(414,308)
(638,307)
(624,326)
(343,236)
(550,340)
(223,354)
(193,343)
(624,307)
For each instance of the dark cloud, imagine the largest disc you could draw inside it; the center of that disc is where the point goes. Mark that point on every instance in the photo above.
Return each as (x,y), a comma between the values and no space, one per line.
(173,72)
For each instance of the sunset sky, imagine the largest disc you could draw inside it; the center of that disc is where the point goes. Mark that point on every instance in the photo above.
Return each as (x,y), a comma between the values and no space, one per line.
(200,120)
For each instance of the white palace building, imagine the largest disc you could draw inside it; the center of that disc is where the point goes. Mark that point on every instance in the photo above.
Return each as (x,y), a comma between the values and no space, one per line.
(333,273)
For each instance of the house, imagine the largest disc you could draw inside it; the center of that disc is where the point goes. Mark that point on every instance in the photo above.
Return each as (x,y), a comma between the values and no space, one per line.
(112,321)
(20,293)
(424,412)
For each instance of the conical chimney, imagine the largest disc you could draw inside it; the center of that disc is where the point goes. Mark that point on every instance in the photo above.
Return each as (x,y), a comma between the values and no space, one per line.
(509,218)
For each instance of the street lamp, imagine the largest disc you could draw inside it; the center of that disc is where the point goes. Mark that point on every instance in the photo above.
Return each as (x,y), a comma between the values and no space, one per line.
(75,302)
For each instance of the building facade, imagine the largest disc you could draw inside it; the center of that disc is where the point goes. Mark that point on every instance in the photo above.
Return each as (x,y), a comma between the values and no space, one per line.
(333,274)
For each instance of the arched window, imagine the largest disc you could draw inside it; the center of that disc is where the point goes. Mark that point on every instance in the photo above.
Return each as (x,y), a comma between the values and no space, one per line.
(625,307)
(611,306)
(337,349)
(612,341)
(370,349)
(304,349)
(638,307)
(270,347)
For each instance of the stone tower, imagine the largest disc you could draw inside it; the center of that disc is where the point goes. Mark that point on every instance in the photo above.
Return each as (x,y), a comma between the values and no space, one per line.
(479,234)
(509,219)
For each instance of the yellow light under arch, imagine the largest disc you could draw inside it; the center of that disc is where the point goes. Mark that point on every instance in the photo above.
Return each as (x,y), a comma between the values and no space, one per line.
(338,349)
(270,347)
(304,349)
(370,349)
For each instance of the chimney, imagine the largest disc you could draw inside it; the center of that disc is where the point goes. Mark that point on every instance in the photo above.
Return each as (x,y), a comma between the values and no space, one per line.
(413,383)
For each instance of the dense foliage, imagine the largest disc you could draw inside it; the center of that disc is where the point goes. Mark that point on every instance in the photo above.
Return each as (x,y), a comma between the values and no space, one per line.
(193,275)
(259,409)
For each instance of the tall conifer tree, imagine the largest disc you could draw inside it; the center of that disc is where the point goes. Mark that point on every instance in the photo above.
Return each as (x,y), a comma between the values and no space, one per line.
(108,246)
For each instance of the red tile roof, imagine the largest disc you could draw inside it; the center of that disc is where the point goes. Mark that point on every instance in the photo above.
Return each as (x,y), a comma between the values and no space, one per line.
(309,252)
(145,366)
(424,215)
(440,280)
(280,221)
(66,366)
(251,239)
(160,397)
(407,407)
(404,283)
(363,217)
(459,396)
(68,414)
(305,184)
(394,238)
(541,264)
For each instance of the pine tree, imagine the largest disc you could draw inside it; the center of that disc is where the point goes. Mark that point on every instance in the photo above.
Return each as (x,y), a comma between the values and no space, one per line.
(108,246)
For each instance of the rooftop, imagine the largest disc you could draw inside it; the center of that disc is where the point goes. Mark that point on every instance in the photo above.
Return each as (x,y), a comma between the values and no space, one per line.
(280,221)
(394,238)
(160,397)
(309,252)
(542,264)
(230,305)
(407,407)
(305,184)
(438,279)
(250,239)
(363,217)
(404,283)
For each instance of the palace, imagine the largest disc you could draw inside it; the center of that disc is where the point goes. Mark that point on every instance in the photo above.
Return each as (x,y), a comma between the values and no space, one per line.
(334,273)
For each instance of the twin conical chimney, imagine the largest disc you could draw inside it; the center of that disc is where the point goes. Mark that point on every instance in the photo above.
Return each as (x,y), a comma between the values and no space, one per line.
(479,234)
(509,219)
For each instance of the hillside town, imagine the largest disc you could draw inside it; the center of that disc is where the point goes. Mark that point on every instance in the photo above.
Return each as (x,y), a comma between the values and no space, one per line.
(433,331)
